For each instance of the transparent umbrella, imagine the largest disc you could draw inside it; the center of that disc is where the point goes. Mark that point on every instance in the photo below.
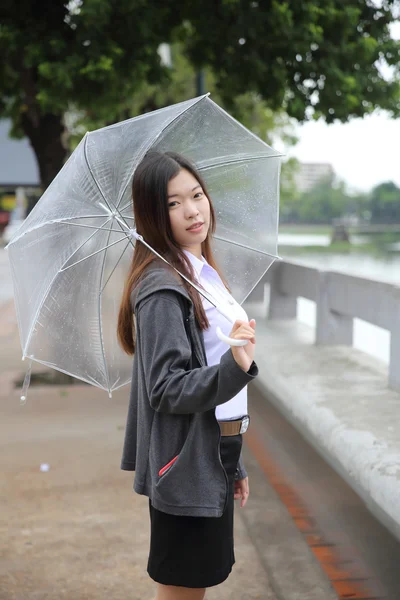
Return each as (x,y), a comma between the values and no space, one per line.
(70,258)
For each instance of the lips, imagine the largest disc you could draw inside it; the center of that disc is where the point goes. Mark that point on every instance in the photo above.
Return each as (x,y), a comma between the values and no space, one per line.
(195,226)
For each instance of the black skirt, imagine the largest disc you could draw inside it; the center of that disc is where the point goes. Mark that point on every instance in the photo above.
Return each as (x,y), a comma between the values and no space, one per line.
(196,552)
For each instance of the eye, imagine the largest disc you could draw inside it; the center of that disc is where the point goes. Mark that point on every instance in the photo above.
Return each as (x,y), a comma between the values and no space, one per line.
(171,204)
(198,194)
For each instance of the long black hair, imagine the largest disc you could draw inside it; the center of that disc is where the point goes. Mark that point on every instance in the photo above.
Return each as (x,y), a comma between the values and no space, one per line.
(150,209)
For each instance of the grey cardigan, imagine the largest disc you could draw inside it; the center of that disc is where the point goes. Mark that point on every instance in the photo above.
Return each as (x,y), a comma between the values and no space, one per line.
(172,402)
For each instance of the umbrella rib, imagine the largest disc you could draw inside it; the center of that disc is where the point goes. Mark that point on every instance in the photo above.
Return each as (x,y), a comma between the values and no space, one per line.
(242,126)
(52,221)
(98,187)
(205,96)
(51,283)
(260,279)
(196,287)
(100,321)
(115,387)
(216,164)
(94,253)
(93,177)
(91,227)
(218,237)
(124,208)
(237,160)
(89,380)
(86,241)
(77,218)
(116,265)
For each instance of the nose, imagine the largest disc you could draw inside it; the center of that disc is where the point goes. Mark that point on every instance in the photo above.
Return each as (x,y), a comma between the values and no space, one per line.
(191,209)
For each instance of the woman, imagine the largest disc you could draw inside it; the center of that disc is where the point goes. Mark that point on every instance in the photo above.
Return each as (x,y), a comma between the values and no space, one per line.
(188,395)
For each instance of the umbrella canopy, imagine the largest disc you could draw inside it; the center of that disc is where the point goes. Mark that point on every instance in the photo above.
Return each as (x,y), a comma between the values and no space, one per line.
(70,258)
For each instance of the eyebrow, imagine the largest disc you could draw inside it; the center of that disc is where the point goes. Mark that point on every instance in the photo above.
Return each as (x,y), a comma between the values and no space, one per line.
(175,195)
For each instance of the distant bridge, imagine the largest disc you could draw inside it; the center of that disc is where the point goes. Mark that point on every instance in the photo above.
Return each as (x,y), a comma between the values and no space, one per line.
(372,228)
(341,231)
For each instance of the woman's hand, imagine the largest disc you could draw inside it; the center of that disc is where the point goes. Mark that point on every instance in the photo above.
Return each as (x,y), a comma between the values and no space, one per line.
(244,355)
(242,491)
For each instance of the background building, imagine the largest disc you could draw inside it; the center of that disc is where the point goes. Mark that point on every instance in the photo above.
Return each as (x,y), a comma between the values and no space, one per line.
(309,175)
(18,170)
(18,164)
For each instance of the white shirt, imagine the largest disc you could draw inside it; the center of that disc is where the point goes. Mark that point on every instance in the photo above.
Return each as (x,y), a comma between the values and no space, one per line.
(215,348)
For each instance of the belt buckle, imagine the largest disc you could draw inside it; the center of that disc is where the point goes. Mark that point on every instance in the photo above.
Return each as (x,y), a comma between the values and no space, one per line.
(245,424)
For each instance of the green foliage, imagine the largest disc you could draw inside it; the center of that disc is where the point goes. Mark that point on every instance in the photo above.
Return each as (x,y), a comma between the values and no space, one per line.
(84,54)
(249,108)
(319,205)
(311,58)
(330,200)
(384,203)
(293,55)
(98,59)
(289,194)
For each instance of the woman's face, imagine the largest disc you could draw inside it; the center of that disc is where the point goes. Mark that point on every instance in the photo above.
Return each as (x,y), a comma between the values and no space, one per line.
(188,205)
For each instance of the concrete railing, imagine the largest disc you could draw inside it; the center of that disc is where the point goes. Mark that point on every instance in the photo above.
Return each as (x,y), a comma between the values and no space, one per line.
(339,299)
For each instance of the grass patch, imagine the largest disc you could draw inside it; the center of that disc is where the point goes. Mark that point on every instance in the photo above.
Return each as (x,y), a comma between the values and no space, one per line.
(306,229)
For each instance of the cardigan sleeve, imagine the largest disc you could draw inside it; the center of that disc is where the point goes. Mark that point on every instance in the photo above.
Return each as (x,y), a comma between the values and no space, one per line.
(165,353)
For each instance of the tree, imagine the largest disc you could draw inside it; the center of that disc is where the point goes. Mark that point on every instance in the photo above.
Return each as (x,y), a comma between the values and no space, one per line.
(290,195)
(384,203)
(324,202)
(249,107)
(313,58)
(87,55)
(310,58)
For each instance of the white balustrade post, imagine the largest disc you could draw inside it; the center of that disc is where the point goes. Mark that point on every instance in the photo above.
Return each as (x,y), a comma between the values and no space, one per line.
(394,361)
(258,294)
(281,306)
(331,327)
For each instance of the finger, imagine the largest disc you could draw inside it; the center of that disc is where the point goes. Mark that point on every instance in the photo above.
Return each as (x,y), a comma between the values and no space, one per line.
(244,500)
(244,336)
(247,328)
(238,323)
(244,333)
(244,485)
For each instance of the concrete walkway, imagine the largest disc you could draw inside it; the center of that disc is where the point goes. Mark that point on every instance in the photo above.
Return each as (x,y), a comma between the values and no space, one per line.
(78,531)
(339,400)
(6,289)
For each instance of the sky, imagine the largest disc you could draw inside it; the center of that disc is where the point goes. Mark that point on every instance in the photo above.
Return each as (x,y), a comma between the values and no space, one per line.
(363,152)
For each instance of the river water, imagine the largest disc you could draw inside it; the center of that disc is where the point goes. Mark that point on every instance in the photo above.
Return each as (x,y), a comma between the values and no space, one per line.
(367,337)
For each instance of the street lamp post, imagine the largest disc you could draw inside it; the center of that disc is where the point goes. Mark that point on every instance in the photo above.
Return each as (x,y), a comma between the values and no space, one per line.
(200,83)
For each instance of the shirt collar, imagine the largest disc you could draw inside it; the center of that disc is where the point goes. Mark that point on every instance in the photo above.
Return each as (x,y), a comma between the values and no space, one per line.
(197,264)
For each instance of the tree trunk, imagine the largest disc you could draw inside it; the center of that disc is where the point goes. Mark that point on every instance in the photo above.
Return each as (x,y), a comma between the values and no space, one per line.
(46,137)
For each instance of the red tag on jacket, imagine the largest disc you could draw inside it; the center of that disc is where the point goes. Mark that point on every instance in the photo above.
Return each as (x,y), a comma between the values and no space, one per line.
(164,469)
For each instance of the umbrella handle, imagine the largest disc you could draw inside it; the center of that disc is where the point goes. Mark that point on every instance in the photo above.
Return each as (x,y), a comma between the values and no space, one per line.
(228,340)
